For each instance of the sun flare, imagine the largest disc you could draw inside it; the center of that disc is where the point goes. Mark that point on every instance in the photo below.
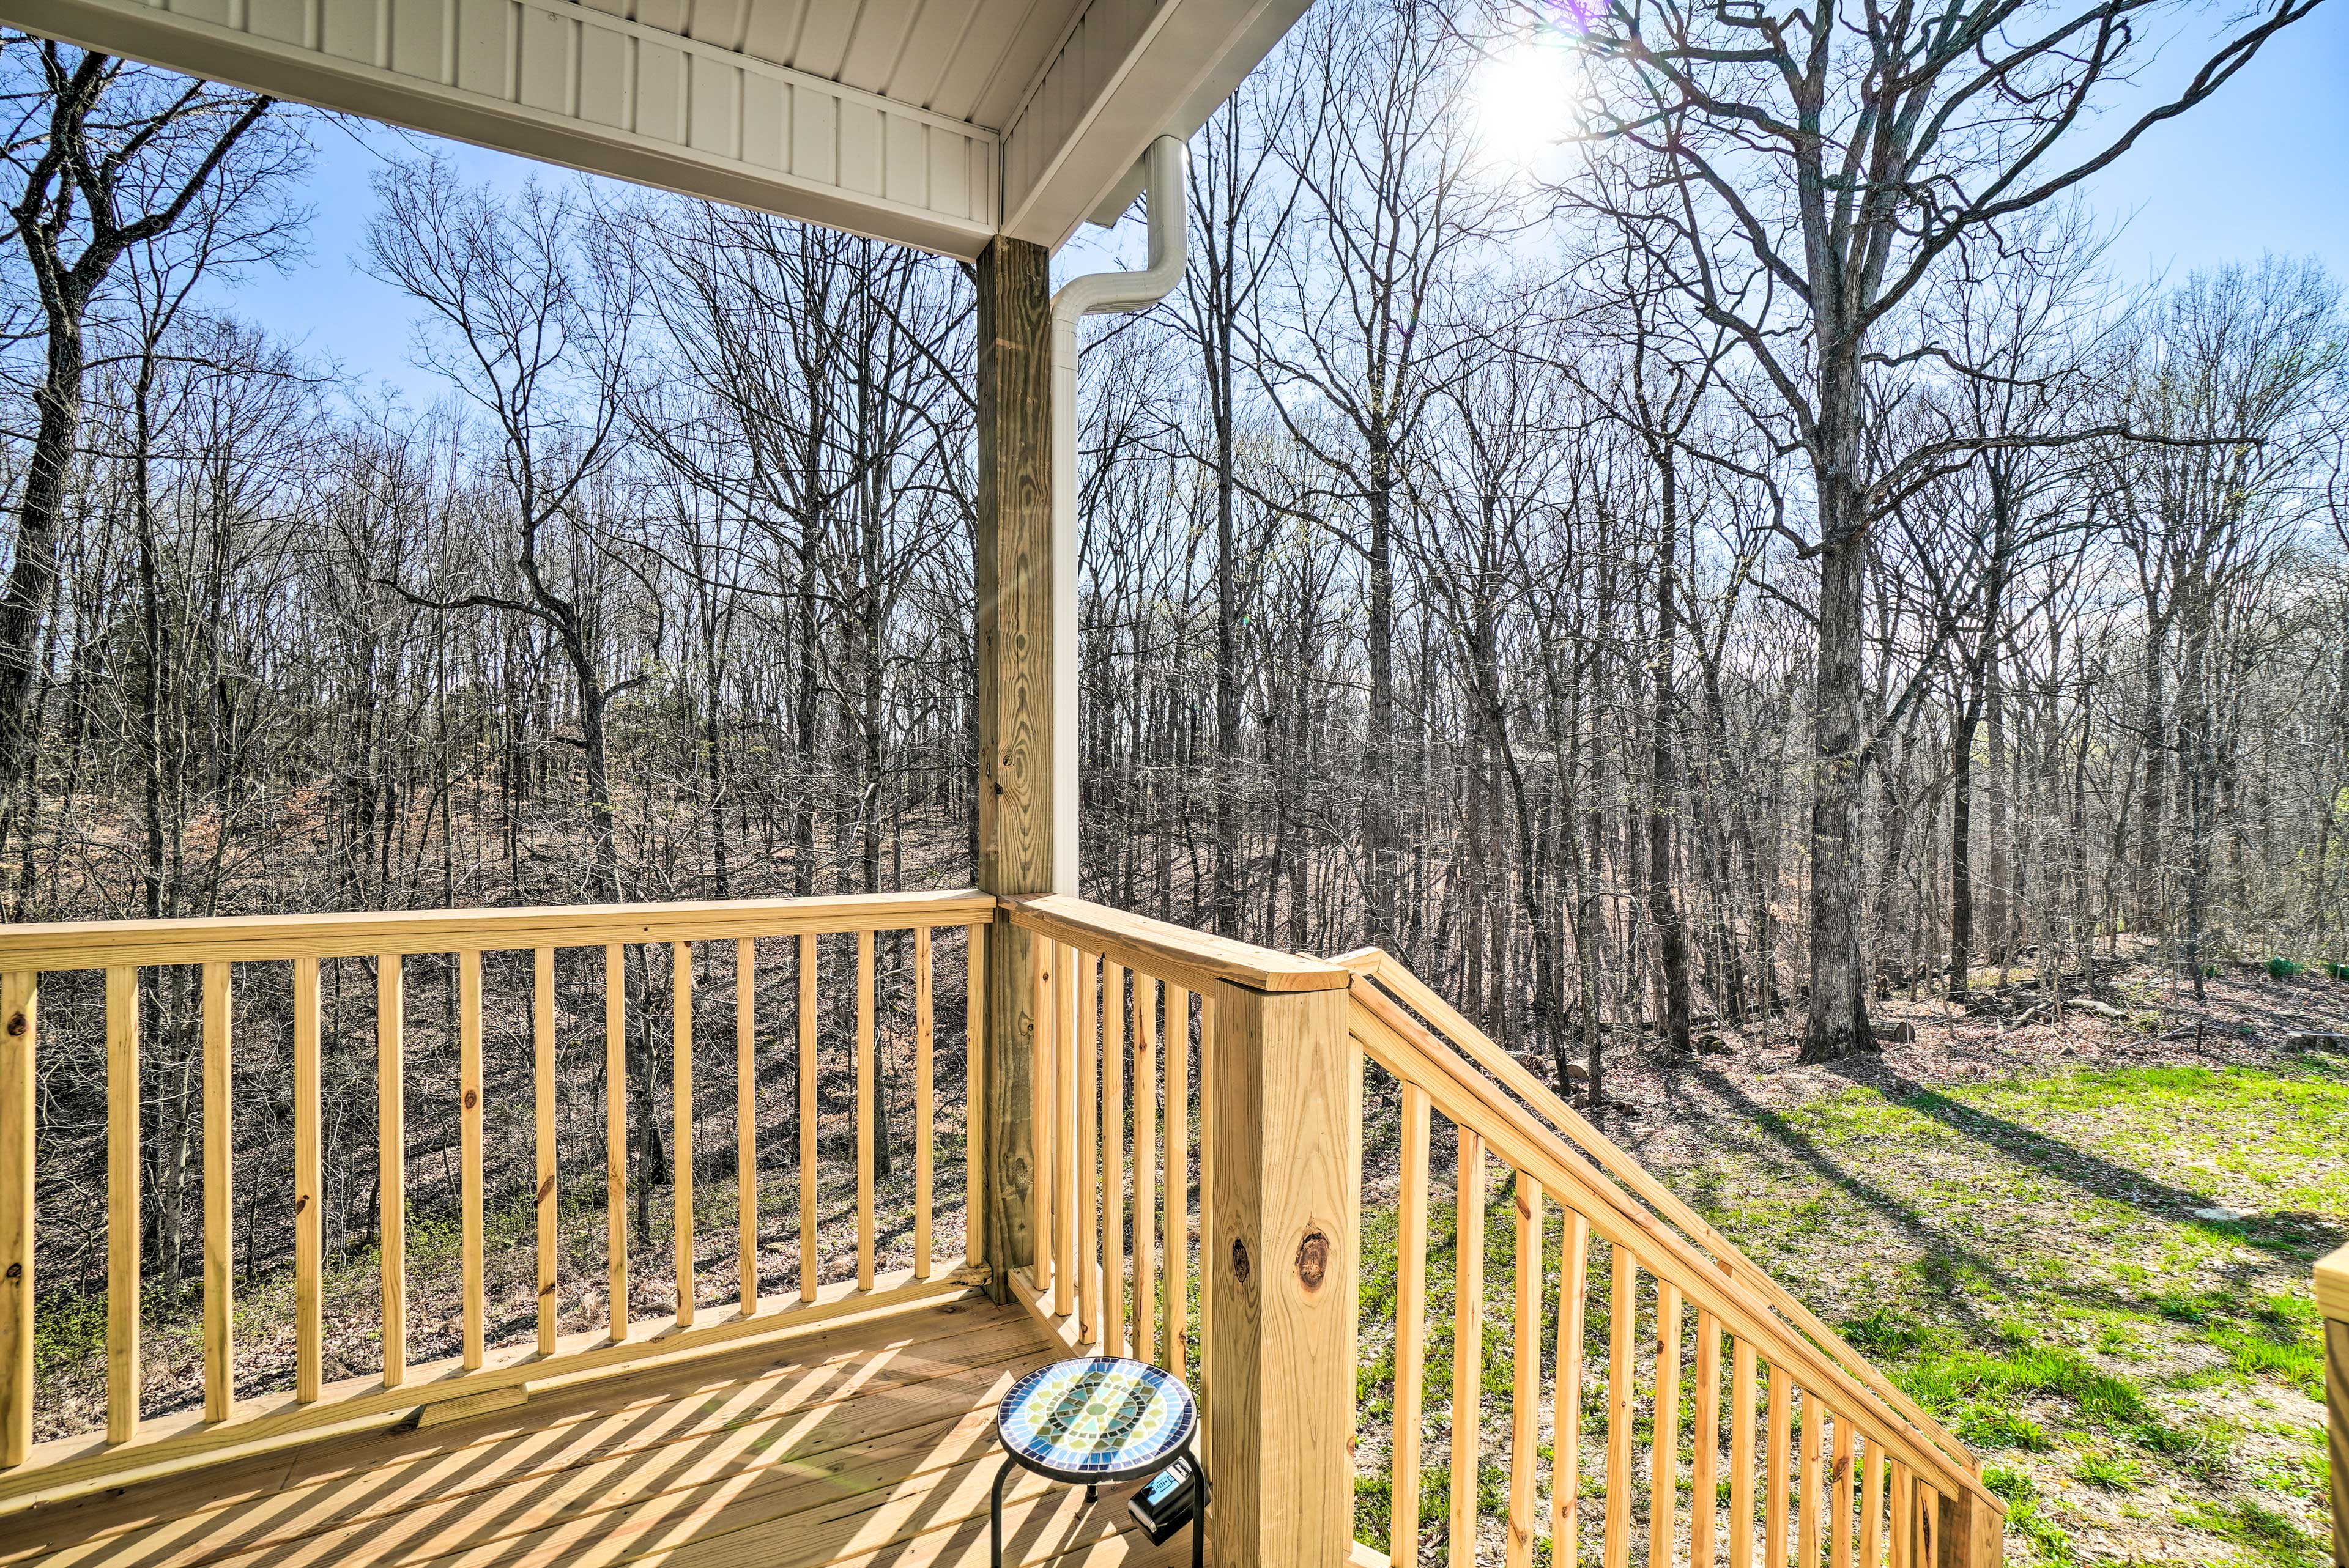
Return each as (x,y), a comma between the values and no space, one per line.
(1522,101)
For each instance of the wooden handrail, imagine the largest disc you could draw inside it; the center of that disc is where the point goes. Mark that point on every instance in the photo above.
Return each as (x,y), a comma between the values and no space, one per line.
(1373,964)
(1192,959)
(1405,1050)
(242,939)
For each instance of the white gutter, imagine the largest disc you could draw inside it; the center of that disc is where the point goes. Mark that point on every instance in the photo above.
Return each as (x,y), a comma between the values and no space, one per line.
(1166,193)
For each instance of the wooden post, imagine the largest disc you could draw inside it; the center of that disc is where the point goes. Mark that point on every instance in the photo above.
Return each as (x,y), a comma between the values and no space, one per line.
(1970,1533)
(1014,578)
(1285,1129)
(2333,1303)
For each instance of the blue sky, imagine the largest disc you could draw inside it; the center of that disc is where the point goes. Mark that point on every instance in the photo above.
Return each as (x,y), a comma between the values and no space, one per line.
(2263,166)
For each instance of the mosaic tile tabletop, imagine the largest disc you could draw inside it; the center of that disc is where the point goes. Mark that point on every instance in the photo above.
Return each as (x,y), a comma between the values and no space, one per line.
(1100,1418)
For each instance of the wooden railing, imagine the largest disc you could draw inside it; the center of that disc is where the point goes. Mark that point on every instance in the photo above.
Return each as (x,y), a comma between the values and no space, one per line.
(1822,1452)
(1240,1282)
(300,944)
(2332,1306)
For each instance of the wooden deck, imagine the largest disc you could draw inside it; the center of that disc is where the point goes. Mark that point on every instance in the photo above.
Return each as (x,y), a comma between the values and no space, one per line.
(871,1443)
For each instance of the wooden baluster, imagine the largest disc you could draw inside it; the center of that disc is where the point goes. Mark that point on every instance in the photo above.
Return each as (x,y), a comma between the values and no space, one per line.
(550,1236)
(220,1257)
(1871,1509)
(1178,1178)
(469,1139)
(1113,1153)
(1840,1484)
(681,981)
(1623,1309)
(391,1167)
(20,996)
(1066,1259)
(864,1095)
(1741,1454)
(1210,1246)
(925,1109)
(616,1136)
(973,1097)
(1525,1397)
(1410,1328)
(1044,984)
(123,1234)
(1807,1546)
(1929,1525)
(310,1254)
(1088,1161)
(807,1078)
(1146,1167)
(1664,1452)
(1467,1346)
(1704,1456)
(1775,1499)
(746,1122)
(1903,1518)
(1566,1412)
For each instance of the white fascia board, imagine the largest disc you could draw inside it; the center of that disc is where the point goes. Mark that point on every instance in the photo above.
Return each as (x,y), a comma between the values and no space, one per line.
(559,81)
(1127,72)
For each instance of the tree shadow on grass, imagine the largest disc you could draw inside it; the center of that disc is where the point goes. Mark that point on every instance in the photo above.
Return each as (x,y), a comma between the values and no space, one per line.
(1944,1261)
(2090,1172)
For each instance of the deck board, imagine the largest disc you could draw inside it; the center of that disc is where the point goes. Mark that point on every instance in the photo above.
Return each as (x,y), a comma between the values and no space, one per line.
(868,1444)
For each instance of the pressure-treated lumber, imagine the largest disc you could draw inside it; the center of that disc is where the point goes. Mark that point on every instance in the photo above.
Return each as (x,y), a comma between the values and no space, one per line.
(220,1262)
(1146,1312)
(746,1124)
(2333,1303)
(19,1016)
(681,1159)
(1013,569)
(244,939)
(123,1236)
(864,1108)
(925,1107)
(468,1119)
(309,1304)
(1525,1409)
(1566,1415)
(1410,1327)
(391,1166)
(1285,1121)
(550,1237)
(807,1114)
(1467,1346)
(615,1137)
(1623,1299)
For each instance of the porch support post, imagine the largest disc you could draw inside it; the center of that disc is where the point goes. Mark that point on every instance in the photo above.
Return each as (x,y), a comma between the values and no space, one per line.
(1014,576)
(1285,1143)
(2333,1304)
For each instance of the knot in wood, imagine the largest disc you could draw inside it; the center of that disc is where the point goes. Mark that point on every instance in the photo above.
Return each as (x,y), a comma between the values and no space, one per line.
(1240,1261)
(1313,1259)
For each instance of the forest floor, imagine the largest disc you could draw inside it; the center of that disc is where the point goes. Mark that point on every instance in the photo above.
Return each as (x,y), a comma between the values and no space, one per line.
(2083,1242)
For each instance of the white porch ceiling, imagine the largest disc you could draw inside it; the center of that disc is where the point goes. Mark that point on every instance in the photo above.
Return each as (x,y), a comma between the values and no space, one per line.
(937,123)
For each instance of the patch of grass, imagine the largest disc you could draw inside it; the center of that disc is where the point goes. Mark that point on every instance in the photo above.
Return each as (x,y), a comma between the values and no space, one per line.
(2268,1535)
(2111,1473)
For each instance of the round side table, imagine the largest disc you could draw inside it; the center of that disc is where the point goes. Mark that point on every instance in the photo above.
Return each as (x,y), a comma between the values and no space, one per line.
(1100,1418)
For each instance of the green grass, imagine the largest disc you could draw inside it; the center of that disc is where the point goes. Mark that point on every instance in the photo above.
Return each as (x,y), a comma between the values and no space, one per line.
(2024,1258)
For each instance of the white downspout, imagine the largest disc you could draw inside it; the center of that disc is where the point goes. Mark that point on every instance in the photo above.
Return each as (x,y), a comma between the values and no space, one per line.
(1166,193)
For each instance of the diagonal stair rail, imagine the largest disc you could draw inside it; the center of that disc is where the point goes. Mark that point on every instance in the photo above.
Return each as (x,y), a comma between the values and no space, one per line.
(1827,1459)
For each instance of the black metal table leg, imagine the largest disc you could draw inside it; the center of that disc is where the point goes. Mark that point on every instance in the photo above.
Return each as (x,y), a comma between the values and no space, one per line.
(1199,1513)
(995,1516)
